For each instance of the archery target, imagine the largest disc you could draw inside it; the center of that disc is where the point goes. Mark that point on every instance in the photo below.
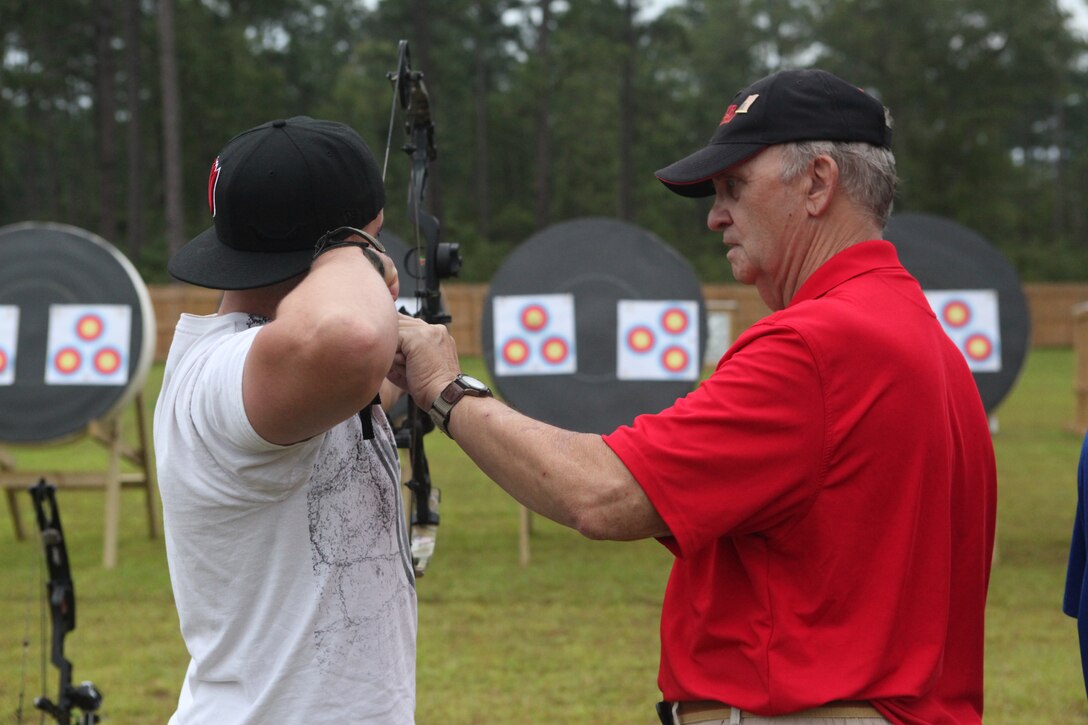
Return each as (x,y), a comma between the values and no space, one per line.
(974,292)
(9,339)
(534,335)
(562,328)
(77,331)
(657,340)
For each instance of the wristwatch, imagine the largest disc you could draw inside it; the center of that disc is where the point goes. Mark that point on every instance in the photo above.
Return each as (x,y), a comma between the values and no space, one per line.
(461,386)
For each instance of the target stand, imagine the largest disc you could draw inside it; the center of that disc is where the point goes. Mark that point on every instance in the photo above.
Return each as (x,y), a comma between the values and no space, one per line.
(590,323)
(77,335)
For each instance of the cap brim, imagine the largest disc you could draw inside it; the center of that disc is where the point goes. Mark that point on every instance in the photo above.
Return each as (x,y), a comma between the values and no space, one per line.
(691,176)
(207,262)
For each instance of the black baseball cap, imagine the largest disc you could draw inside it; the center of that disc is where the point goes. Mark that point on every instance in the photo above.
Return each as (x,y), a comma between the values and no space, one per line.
(791,105)
(273,191)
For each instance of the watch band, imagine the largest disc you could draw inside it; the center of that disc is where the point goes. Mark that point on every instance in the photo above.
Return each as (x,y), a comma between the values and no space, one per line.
(451,395)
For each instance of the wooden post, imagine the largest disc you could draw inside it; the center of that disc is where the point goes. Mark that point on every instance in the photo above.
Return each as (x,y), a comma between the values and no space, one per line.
(1080,371)
(112,519)
(525,528)
(7,463)
(143,460)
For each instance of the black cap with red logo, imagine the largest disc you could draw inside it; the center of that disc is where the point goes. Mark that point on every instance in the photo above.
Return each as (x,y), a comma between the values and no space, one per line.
(273,191)
(791,105)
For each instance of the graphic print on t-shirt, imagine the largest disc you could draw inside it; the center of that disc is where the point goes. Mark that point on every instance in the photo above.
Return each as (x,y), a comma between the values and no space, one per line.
(355,524)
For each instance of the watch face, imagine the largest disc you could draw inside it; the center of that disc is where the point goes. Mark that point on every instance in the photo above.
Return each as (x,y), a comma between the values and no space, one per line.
(472,382)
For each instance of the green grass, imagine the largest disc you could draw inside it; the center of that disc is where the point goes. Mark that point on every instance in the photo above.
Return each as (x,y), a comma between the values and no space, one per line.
(573,636)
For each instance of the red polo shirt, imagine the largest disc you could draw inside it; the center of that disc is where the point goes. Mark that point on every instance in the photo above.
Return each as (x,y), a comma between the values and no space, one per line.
(830,490)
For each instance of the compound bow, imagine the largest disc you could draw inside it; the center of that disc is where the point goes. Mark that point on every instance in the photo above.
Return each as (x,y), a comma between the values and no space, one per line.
(62,610)
(432,261)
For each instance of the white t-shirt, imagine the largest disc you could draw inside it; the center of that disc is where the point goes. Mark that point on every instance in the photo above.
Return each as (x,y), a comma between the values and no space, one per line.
(290,565)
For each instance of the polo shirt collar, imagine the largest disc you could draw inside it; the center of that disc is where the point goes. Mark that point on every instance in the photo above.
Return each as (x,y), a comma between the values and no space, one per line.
(855,260)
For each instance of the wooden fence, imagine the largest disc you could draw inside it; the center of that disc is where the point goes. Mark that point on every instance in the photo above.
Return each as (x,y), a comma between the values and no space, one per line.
(1080,366)
(1058,313)
(1050,307)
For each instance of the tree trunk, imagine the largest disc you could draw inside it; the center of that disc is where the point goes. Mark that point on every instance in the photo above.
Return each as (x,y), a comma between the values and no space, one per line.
(483,183)
(171,129)
(105,119)
(542,181)
(626,197)
(422,61)
(135,192)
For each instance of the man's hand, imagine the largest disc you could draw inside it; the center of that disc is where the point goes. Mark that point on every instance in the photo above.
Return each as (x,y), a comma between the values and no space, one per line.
(572,478)
(426,360)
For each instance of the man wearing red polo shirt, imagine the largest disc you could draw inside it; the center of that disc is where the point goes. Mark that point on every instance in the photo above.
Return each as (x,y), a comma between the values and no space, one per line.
(829,492)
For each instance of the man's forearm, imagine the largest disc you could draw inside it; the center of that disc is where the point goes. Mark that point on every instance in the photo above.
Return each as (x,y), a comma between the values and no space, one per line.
(572,478)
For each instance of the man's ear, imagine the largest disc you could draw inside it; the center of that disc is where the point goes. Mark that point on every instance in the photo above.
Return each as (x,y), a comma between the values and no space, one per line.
(823,184)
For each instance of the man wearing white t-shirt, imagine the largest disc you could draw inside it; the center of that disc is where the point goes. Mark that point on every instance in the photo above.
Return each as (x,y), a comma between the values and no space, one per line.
(280,480)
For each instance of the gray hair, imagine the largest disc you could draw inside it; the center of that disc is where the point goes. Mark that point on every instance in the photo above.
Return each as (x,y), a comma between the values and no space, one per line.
(866,172)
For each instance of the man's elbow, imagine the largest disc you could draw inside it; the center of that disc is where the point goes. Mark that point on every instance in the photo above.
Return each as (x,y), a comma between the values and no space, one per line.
(621,513)
(356,353)
(594,526)
(601,520)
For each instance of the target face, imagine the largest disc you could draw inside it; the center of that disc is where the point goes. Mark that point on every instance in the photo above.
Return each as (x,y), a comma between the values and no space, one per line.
(970,317)
(658,340)
(640,339)
(675,360)
(88,344)
(955,313)
(534,317)
(9,339)
(534,334)
(555,351)
(515,352)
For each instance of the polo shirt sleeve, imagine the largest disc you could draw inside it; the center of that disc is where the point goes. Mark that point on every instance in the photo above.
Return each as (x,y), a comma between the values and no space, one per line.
(743,453)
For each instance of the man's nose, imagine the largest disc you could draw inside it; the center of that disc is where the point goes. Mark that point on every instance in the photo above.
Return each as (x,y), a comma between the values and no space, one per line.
(718,217)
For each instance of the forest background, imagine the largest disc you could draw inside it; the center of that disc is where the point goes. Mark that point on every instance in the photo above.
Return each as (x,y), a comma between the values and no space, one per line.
(111,111)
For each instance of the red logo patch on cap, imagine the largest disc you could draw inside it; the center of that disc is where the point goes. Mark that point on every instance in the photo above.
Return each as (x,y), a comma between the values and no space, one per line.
(213,178)
(735,109)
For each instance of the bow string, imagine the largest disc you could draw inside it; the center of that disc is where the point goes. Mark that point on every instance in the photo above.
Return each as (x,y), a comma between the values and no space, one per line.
(430,261)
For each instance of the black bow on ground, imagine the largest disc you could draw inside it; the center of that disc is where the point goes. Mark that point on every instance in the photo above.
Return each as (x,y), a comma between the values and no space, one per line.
(62,611)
